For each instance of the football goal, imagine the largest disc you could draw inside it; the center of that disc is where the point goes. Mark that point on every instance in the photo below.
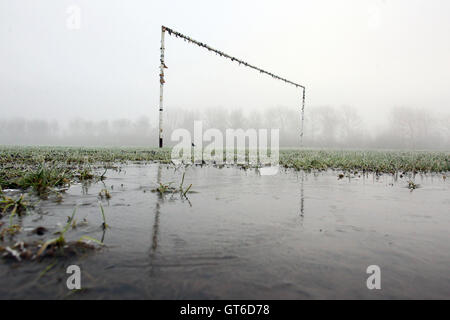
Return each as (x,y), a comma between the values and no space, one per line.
(176,34)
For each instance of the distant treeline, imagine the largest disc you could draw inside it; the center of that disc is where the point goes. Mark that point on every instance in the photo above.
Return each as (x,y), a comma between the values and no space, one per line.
(325,127)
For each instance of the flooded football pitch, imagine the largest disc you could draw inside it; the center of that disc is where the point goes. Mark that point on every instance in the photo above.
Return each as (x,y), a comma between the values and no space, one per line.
(241,235)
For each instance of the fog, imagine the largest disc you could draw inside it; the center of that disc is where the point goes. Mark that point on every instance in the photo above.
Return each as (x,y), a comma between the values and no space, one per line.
(376,72)
(325,126)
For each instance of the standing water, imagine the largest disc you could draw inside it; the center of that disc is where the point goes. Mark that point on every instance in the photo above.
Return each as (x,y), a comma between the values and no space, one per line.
(240,235)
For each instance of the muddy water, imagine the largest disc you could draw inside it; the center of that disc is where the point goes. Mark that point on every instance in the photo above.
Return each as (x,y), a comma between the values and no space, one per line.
(242,235)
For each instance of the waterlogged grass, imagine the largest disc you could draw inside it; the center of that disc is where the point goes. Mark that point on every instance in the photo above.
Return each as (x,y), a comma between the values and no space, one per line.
(44,168)
(367,161)
(80,156)
(53,247)
(44,179)
(42,171)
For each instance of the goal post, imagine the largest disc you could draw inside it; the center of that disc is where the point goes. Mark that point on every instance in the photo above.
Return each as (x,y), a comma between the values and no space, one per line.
(172,32)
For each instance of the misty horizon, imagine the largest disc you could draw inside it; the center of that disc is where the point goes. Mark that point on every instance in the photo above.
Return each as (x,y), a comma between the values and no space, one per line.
(325,127)
(372,55)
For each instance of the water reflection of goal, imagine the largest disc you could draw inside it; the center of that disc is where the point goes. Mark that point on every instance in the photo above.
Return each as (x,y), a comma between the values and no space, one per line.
(222,54)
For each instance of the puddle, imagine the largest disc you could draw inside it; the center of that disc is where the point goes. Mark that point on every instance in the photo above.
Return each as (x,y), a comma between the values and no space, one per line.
(240,235)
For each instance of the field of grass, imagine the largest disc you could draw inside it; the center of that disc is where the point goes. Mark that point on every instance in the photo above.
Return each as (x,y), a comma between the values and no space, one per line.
(43,168)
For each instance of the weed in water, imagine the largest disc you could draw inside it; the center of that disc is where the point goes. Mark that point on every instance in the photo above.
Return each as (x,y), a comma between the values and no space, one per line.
(104,193)
(103,177)
(167,188)
(10,231)
(187,190)
(164,188)
(85,174)
(90,239)
(104,225)
(47,269)
(60,241)
(13,206)
(412,185)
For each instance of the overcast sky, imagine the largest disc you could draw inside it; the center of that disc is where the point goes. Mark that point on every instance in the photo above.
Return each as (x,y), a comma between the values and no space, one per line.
(368,54)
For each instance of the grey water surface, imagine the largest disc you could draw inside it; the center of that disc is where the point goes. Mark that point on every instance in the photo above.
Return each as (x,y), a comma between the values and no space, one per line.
(241,235)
